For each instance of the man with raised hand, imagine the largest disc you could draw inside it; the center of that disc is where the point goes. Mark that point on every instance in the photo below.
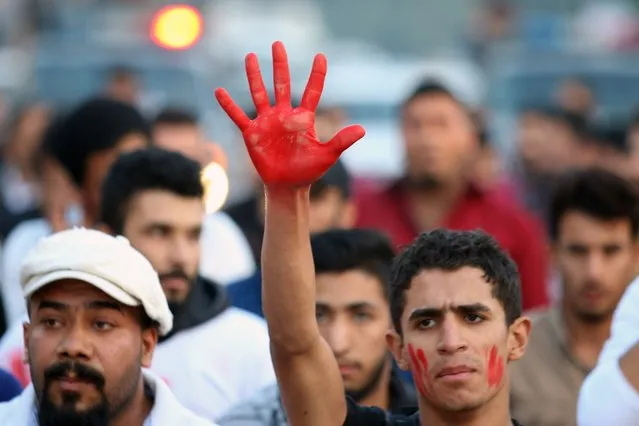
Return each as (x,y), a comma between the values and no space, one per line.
(455,296)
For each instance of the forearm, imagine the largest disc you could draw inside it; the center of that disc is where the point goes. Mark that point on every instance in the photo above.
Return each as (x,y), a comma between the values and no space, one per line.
(288,283)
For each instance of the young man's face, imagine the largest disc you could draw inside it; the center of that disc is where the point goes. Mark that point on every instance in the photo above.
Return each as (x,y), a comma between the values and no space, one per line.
(455,339)
(597,260)
(353,316)
(166,228)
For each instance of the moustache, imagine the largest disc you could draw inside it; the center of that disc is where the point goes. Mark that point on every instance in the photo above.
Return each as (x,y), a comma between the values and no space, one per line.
(175,273)
(81,372)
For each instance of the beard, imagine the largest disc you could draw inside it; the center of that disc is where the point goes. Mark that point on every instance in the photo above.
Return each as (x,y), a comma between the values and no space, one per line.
(176,301)
(371,384)
(66,414)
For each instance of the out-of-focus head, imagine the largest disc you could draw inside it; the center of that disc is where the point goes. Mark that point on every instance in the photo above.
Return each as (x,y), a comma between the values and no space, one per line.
(456,309)
(177,129)
(575,96)
(594,224)
(440,136)
(96,309)
(154,198)
(26,132)
(352,270)
(332,203)
(122,84)
(90,138)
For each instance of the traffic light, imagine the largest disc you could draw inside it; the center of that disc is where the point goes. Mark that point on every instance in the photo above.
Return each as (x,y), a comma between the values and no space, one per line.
(177,27)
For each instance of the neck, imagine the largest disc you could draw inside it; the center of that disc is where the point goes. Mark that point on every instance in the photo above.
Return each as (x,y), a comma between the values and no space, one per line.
(137,410)
(585,339)
(495,412)
(380,395)
(429,206)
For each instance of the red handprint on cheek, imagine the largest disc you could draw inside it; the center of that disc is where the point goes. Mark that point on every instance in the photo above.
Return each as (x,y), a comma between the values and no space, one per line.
(420,370)
(495,368)
(281,141)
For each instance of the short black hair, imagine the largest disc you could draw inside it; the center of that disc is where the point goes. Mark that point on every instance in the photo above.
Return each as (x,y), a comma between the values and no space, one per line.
(176,116)
(428,87)
(94,126)
(450,251)
(143,170)
(595,192)
(342,250)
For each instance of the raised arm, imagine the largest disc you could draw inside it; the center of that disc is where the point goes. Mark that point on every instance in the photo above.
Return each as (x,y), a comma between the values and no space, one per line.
(285,150)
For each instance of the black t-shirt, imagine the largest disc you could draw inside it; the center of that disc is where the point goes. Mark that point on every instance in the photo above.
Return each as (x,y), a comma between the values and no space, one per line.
(373,416)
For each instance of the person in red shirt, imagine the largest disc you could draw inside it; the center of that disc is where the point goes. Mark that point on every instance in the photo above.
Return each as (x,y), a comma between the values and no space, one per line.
(442,142)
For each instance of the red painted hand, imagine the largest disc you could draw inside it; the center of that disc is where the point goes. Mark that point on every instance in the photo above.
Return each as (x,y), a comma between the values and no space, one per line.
(281,141)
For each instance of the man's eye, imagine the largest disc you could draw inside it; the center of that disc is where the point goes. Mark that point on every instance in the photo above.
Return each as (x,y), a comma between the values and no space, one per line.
(426,323)
(51,322)
(474,318)
(103,325)
(362,316)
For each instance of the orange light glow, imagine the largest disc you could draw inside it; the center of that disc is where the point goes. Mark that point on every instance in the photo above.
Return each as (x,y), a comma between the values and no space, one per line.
(177,27)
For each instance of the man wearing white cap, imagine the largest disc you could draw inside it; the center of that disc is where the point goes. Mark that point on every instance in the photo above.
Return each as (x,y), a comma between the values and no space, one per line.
(96,310)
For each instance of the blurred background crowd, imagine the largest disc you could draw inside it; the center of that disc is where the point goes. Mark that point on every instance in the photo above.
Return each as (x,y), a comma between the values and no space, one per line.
(552,86)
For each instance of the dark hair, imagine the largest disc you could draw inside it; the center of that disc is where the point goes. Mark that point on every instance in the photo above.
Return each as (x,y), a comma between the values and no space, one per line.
(450,251)
(342,250)
(95,126)
(597,193)
(176,116)
(144,170)
(430,87)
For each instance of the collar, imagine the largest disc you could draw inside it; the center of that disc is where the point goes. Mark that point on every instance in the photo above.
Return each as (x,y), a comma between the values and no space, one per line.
(558,329)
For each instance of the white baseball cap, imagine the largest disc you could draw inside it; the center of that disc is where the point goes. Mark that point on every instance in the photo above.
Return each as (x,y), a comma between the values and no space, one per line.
(109,263)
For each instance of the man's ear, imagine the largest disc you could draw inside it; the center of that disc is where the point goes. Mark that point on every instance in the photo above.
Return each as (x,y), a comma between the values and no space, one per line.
(518,335)
(396,346)
(150,338)
(348,214)
(26,329)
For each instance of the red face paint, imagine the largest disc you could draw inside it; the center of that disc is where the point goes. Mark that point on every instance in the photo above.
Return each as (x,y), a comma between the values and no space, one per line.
(281,141)
(495,368)
(420,370)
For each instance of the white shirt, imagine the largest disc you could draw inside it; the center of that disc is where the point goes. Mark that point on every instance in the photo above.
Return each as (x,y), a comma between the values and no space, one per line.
(606,397)
(226,256)
(166,411)
(210,368)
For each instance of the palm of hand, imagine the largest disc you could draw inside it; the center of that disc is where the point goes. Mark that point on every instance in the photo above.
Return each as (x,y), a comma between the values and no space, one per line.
(281,141)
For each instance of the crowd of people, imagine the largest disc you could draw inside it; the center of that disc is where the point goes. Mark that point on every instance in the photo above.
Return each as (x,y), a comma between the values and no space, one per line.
(458,295)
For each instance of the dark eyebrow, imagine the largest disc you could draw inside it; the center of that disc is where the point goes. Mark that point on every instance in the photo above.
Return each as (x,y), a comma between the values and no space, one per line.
(437,312)
(50,304)
(104,304)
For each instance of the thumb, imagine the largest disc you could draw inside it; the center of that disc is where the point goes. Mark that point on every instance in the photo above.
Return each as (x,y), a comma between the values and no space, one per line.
(347,137)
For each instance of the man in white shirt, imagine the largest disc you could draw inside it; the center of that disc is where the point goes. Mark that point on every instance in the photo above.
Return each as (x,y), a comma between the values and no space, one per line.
(215,356)
(610,394)
(96,310)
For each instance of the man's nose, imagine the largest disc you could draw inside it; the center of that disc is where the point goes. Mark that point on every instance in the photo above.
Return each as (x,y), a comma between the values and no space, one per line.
(451,339)
(339,337)
(75,344)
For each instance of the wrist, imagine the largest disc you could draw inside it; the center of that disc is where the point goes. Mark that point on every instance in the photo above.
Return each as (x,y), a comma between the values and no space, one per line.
(287,197)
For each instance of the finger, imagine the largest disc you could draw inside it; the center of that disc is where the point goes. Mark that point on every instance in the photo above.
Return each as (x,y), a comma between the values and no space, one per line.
(315,85)
(256,83)
(281,75)
(234,112)
(346,137)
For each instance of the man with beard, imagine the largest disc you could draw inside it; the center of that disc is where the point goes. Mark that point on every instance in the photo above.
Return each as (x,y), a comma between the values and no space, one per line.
(442,144)
(352,271)
(215,356)
(594,223)
(455,296)
(96,309)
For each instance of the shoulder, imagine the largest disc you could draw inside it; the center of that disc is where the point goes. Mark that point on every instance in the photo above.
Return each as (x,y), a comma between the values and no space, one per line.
(624,332)
(25,236)
(511,211)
